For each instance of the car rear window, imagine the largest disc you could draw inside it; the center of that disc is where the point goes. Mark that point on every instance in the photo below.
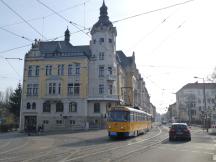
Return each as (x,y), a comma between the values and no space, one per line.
(179,126)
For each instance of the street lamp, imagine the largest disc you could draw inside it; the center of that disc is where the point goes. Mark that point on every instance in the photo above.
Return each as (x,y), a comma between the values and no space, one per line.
(204,97)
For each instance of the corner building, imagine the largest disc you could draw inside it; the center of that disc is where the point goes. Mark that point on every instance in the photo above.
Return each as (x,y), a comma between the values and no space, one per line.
(68,87)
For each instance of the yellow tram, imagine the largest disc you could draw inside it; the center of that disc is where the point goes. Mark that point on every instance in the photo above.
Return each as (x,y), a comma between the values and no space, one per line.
(127,121)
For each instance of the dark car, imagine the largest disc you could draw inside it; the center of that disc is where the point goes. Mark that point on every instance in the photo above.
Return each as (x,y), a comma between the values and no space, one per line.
(179,131)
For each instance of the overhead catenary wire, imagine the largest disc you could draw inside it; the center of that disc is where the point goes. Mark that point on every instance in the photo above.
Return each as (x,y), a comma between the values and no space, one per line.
(16,13)
(148,12)
(20,36)
(13,68)
(152,11)
(68,21)
(46,16)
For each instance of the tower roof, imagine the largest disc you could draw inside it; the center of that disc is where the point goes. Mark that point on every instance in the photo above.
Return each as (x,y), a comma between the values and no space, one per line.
(103,18)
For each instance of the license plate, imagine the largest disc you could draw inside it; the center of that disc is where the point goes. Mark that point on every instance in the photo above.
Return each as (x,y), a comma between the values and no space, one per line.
(179,133)
(113,133)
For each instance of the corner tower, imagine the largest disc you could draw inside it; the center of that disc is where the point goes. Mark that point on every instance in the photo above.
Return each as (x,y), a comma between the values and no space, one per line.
(103,64)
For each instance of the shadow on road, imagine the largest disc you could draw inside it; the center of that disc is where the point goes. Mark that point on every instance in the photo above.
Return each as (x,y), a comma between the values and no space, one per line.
(176,142)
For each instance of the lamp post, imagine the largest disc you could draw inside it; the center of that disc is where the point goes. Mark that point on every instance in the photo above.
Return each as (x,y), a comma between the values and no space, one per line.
(204,98)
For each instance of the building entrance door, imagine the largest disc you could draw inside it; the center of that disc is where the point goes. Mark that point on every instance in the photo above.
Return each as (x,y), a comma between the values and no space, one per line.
(30,123)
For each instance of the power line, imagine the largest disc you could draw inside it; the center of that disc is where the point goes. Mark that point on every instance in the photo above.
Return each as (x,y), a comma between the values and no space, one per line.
(174,5)
(13,68)
(152,11)
(70,22)
(23,37)
(39,18)
(21,17)
(5,51)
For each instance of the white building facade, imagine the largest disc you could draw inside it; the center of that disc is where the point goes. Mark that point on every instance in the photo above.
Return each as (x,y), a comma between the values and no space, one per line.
(196,101)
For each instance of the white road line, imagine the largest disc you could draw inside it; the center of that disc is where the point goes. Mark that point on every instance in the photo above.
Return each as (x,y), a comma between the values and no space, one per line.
(214,157)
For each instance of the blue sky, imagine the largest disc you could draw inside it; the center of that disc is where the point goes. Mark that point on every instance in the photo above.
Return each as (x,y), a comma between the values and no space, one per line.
(171,46)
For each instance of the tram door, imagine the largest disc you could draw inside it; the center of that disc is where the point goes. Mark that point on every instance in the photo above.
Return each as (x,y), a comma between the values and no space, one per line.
(30,123)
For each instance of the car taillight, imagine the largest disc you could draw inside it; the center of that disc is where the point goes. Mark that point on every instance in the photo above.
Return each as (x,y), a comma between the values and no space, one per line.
(172,130)
(186,130)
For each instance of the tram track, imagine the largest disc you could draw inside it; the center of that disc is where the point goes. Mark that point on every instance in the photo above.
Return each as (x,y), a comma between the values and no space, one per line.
(75,151)
(105,150)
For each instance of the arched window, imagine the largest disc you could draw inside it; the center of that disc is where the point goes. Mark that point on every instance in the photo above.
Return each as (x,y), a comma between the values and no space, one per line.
(28,105)
(72,107)
(96,107)
(34,105)
(59,107)
(108,106)
(46,106)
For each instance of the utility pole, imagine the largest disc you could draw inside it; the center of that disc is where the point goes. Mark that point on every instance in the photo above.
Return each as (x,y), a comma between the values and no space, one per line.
(205,108)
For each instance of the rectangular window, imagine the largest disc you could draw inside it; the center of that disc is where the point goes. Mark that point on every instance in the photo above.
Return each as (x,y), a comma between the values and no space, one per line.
(101,71)
(101,40)
(101,89)
(29,89)
(58,122)
(50,88)
(37,70)
(77,69)
(48,70)
(30,68)
(46,122)
(59,88)
(72,122)
(53,88)
(97,108)
(73,107)
(94,41)
(35,89)
(70,89)
(61,69)
(110,40)
(110,70)
(76,89)
(101,56)
(110,87)
(70,69)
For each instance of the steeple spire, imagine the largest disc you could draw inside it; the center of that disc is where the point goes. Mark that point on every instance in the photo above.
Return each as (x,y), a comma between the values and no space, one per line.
(103,19)
(103,12)
(67,35)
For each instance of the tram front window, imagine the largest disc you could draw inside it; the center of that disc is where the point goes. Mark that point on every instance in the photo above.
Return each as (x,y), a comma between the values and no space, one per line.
(119,116)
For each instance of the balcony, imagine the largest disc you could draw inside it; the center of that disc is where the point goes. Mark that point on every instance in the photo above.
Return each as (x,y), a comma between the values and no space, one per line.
(111,78)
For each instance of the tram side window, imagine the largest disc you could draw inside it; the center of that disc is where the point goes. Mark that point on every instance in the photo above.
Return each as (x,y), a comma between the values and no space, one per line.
(145,117)
(131,116)
(135,116)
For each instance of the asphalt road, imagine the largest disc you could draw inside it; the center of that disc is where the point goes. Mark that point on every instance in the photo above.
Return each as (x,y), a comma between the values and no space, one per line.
(95,146)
